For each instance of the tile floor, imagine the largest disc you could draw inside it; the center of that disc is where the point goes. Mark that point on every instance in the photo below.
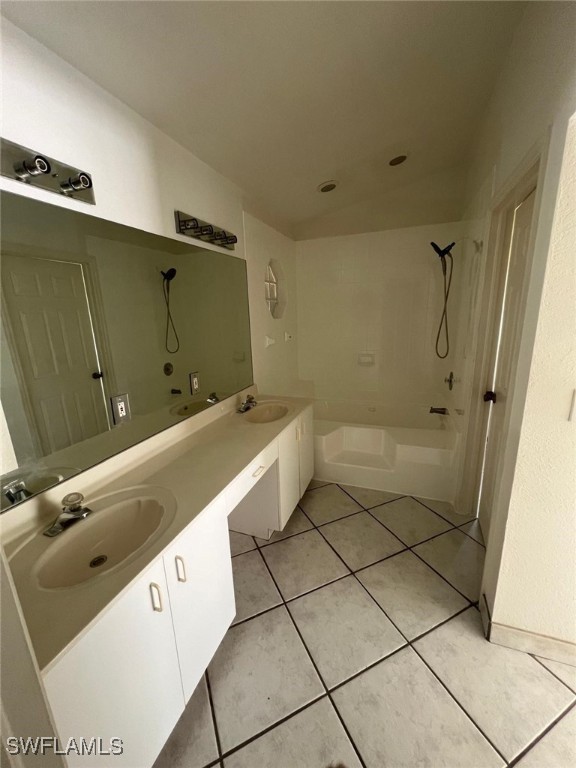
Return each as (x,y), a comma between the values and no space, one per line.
(358,642)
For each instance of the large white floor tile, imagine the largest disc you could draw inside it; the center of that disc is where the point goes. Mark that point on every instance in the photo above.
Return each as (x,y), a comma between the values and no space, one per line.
(302,563)
(410,521)
(360,540)
(317,484)
(413,596)
(240,542)
(298,523)
(556,749)
(344,629)
(458,558)
(314,738)
(445,509)
(192,743)
(368,497)
(260,674)
(328,503)
(399,715)
(473,529)
(566,672)
(507,693)
(253,586)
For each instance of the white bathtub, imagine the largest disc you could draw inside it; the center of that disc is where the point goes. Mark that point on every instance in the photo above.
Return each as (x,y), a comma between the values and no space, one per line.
(415,460)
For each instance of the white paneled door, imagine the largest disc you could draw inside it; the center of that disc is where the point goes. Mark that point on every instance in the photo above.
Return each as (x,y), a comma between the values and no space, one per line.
(51,339)
(505,349)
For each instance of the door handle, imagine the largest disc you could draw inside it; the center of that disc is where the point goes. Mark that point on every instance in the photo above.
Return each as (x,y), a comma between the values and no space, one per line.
(156,596)
(489,396)
(180,568)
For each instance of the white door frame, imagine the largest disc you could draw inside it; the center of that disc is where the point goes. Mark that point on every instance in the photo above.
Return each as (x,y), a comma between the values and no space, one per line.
(528,175)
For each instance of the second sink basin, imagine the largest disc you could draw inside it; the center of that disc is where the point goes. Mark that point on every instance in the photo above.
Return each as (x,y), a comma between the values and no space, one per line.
(120,525)
(266,412)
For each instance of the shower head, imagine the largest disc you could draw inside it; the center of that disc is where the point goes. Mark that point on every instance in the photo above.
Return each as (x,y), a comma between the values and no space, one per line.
(170,274)
(442,252)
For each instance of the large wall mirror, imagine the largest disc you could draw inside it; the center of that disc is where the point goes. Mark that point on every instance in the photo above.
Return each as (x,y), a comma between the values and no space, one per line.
(93,311)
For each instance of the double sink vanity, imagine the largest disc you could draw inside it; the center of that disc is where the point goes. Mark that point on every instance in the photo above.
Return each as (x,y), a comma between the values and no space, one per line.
(126,607)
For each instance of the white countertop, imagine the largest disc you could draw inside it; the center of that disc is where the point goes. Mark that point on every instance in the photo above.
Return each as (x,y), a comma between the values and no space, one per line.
(195,470)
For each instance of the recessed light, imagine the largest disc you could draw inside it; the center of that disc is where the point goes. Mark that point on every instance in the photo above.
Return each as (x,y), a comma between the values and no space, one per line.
(327,186)
(398,160)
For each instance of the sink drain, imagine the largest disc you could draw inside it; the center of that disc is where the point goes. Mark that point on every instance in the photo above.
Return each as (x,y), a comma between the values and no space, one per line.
(100,560)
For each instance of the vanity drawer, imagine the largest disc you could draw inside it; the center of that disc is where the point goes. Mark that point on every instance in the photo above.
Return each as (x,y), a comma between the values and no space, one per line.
(248,478)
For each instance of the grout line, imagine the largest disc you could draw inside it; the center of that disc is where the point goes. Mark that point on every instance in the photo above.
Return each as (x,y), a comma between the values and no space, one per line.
(553,673)
(410,645)
(443,684)
(546,730)
(296,627)
(473,602)
(212,710)
(269,728)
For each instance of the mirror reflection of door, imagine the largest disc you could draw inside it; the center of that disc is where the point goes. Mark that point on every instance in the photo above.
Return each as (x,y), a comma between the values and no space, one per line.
(53,351)
(505,346)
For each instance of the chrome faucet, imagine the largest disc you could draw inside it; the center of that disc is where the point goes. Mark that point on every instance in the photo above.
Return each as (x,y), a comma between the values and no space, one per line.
(16,491)
(250,402)
(72,511)
(213,398)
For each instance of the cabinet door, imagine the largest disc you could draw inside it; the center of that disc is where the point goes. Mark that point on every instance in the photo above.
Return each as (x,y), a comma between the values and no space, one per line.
(199,572)
(289,470)
(306,434)
(121,679)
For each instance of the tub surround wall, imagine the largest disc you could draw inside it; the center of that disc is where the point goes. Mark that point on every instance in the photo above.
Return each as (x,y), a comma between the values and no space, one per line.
(368,311)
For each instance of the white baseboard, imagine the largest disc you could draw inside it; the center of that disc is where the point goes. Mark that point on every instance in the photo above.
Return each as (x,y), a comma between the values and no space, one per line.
(530,642)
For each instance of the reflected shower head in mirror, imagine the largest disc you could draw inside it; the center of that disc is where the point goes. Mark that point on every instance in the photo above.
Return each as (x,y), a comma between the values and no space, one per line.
(167,277)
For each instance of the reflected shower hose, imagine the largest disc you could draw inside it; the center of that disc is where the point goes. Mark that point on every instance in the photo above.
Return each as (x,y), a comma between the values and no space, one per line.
(444,318)
(168,276)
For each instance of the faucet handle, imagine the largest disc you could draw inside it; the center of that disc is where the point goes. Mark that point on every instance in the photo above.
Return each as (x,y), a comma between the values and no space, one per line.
(72,502)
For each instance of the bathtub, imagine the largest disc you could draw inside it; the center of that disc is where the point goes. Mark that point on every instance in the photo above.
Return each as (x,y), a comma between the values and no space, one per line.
(416,460)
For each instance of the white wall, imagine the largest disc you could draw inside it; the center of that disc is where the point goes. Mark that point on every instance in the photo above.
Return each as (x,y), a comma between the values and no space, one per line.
(541,527)
(532,103)
(379,293)
(140,175)
(275,366)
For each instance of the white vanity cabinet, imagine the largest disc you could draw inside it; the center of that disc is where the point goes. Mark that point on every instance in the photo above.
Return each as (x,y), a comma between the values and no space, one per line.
(130,675)
(295,462)
(199,574)
(121,679)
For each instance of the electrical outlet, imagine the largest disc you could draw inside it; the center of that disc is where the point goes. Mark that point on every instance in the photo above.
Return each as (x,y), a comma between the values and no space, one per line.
(194,383)
(120,408)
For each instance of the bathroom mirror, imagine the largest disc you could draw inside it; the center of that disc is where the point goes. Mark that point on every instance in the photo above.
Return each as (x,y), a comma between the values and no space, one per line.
(109,335)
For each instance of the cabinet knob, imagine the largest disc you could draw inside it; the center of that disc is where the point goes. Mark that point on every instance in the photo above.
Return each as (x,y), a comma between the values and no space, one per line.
(180,568)
(156,596)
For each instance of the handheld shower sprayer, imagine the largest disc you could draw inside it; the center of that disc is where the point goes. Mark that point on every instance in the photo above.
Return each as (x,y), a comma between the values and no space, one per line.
(443,253)
(167,278)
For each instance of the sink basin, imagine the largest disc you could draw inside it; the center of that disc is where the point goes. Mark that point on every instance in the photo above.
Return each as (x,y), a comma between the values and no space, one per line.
(120,526)
(266,412)
(189,408)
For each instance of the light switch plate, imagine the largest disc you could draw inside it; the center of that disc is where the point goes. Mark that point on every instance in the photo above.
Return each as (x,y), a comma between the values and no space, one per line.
(194,383)
(120,408)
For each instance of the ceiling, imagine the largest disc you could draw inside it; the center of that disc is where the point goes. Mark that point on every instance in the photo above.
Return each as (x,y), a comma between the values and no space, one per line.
(280,96)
